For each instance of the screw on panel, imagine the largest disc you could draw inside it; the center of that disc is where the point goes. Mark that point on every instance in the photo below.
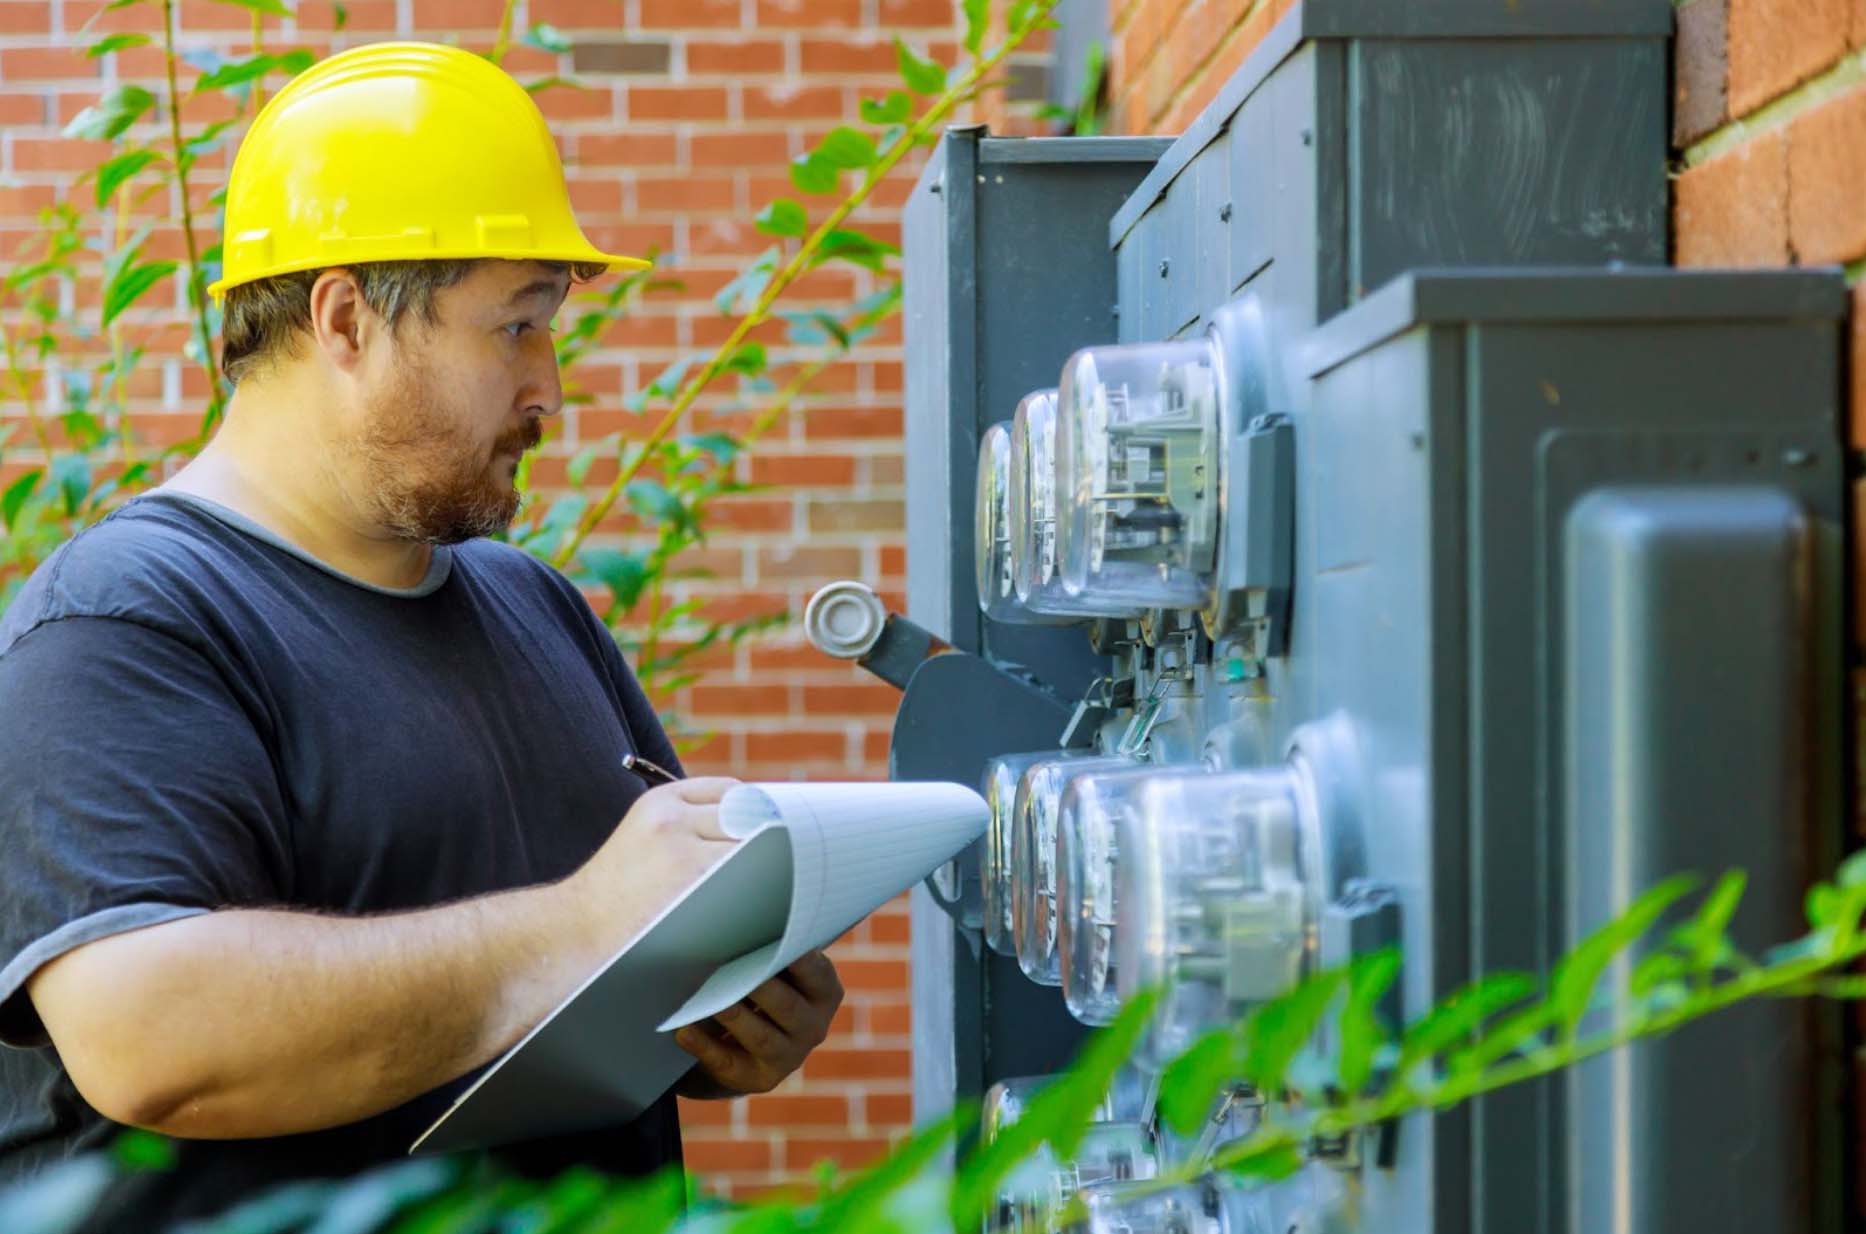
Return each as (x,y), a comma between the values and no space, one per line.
(1224,213)
(1164,267)
(1308,137)
(1794,456)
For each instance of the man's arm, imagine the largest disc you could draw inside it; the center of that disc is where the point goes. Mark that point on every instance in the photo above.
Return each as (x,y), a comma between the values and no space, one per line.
(254,1023)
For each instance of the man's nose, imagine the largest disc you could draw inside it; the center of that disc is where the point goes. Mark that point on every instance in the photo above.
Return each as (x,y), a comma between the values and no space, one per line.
(543,393)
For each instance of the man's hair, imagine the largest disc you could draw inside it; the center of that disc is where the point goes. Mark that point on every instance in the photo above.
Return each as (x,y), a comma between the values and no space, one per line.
(261,321)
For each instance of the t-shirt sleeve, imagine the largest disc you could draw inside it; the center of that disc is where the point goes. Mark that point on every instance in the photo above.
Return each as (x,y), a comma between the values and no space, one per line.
(134,789)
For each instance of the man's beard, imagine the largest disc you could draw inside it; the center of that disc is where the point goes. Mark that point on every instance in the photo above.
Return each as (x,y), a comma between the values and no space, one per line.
(425,479)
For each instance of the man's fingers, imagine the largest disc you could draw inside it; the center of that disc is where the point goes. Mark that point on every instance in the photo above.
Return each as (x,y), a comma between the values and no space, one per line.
(816,977)
(761,1038)
(703,790)
(785,1007)
(722,1060)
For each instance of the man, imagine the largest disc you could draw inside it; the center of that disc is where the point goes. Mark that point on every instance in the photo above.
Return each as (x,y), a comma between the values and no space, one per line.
(312,799)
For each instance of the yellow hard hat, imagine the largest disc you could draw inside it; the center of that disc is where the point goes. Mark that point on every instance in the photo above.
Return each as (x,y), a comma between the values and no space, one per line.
(398,152)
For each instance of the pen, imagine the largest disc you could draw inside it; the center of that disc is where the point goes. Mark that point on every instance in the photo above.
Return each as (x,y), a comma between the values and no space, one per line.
(654,773)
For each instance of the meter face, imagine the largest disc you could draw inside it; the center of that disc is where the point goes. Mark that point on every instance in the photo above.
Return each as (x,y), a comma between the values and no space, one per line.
(1037,561)
(1212,895)
(1138,453)
(1033,860)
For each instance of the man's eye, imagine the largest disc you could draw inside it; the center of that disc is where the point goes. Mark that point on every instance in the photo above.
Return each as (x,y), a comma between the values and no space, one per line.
(517,328)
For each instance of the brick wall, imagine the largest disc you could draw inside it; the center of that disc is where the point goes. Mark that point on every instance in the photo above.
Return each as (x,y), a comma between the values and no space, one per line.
(691,111)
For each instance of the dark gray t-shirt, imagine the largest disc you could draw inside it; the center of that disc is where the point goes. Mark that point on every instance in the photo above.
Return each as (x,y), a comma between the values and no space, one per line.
(195,715)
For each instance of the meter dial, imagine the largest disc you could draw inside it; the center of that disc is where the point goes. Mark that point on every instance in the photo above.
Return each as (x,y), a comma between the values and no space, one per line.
(1139,451)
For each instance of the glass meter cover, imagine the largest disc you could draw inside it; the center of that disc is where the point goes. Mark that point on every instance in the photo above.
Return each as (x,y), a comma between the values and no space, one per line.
(1214,895)
(1036,565)
(1038,1190)
(1033,860)
(1001,781)
(1087,855)
(1139,447)
(1210,1205)
(991,525)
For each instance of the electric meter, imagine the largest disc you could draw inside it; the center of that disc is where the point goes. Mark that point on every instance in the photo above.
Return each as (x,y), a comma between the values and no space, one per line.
(1127,1099)
(1033,860)
(1036,567)
(1087,848)
(1213,898)
(1002,777)
(1037,1191)
(1209,1205)
(1139,446)
(991,527)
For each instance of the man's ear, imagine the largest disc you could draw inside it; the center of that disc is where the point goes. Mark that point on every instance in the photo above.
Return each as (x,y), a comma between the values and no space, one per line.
(342,322)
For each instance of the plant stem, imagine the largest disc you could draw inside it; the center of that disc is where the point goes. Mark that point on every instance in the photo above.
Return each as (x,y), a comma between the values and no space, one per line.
(197,293)
(503,42)
(798,264)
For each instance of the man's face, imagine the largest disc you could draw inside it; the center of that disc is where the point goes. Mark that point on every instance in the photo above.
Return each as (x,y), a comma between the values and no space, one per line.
(453,404)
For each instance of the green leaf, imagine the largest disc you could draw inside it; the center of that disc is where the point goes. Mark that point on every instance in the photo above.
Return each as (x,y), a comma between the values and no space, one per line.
(275,7)
(17,494)
(783,217)
(977,17)
(240,72)
(1571,989)
(143,1150)
(1282,1026)
(722,446)
(340,16)
(131,283)
(112,174)
(579,466)
(1459,1016)
(921,75)
(847,148)
(72,474)
(546,37)
(1706,937)
(1058,1114)
(625,574)
(812,174)
(652,500)
(896,108)
(844,244)
(110,116)
(1853,870)
(750,283)
(748,359)
(552,83)
(115,42)
(1369,979)
(1190,1083)
(1268,1158)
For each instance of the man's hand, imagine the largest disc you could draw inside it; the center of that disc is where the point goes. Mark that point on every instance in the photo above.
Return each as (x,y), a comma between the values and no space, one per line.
(751,1047)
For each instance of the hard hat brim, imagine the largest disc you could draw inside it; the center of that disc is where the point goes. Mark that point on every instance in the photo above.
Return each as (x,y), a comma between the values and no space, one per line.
(614,263)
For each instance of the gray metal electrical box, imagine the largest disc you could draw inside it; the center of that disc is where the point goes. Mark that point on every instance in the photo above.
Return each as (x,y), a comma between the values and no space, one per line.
(1518,555)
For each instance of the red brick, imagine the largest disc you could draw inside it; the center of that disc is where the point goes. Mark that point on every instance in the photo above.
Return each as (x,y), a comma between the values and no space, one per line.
(25,17)
(689,14)
(1698,75)
(740,150)
(705,1113)
(1856,34)
(833,422)
(785,1110)
(360,16)
(889,1109)
(704,1153)
(584,102)
(1774,46)
(676,102)
(1733,210)
(626,149)
(850,1153)
(19,64)
(755,700)
(797,745)
(802,469)
(22,109)
(1827,180)
(741,56)
(853,700)
(58,154)
(847,56)
(849,1063)
(578,14)
(887,927)
(809,14)
(846,515)
(794,102)
(921,14)
(789,561)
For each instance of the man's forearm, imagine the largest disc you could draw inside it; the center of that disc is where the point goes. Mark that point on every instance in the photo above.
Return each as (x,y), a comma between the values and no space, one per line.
(254,1023)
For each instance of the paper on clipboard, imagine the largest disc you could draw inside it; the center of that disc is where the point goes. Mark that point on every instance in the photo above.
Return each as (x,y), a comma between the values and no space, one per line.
(812,860)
